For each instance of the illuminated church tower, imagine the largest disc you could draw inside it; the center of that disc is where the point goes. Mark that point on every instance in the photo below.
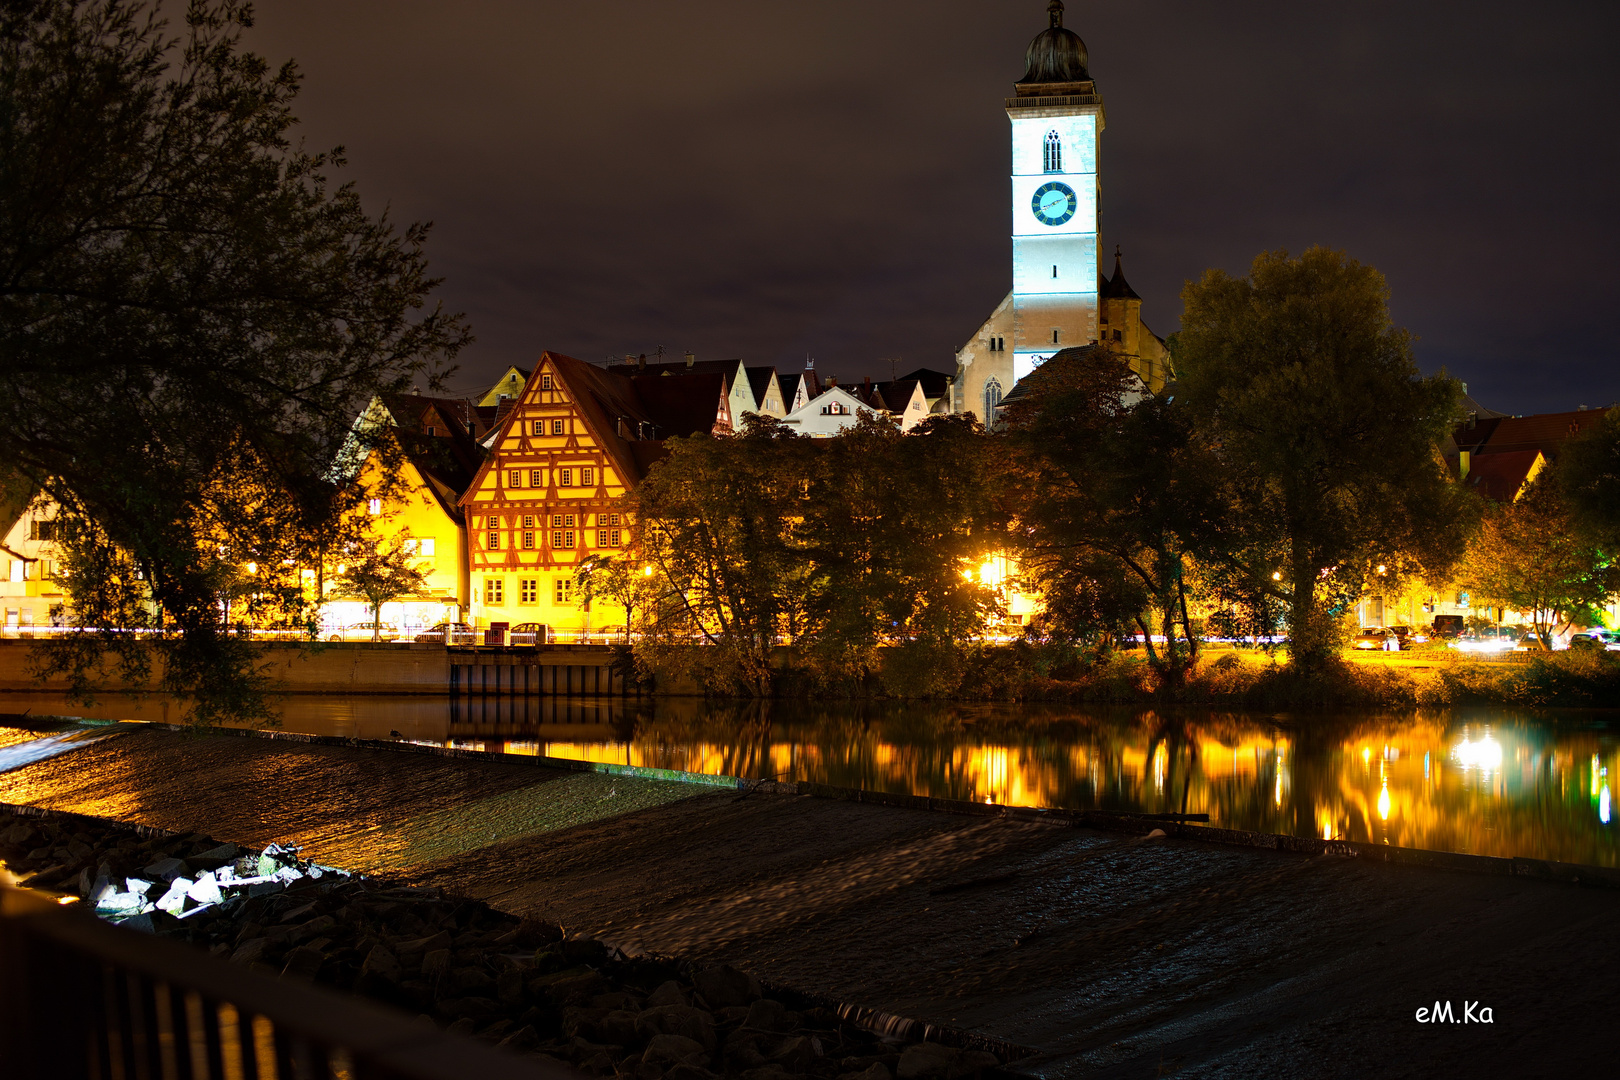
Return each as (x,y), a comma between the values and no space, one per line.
(1057,117)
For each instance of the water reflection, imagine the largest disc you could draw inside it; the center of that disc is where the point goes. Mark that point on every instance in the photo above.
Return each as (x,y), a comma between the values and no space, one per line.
(1498,782)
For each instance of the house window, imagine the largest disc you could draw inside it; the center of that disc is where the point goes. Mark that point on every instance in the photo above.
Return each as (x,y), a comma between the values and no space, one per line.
(992,399)
(562,538)
(373,507)
(1054,335)
(495,591)
(607,538)
(534,478)
(514,478)
(565,477)
(556,427)
(425,546)
(1052,158)
(528,590)
(528,540)
(545,382)
(563,590)
(613,519)
(493,541)
(46,530)
(585,477)
(538,428)
(528,521)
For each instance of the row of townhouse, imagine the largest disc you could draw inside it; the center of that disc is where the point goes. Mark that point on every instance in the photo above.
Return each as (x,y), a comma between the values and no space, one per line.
(502,496)
(1497,456)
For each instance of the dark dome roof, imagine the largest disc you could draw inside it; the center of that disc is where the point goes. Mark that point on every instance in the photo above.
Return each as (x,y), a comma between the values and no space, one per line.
(1056,55)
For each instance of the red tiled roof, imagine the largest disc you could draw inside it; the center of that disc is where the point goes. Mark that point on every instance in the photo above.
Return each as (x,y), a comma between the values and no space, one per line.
(1499,476)
(1544,431)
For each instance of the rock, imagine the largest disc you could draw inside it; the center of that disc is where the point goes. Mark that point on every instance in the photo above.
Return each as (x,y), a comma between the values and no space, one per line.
(792,1053)
(725,985)
(743,1050)
(521,1039)
(250,950)
(165,869)
(141,920)
(674,1050)
(438,941)
(969,1062)
(473,1008)
(470,978)
(381,963)
(436,963)
(598,1063)
(205,890)
(509,986)
(120,903)
(617,1028)
(768,1015)
(875,1071)
(304,962)
(766,1072)
(688,1072)
(174,900)
(578,1023)
(139,885)
(18,835)
(583,950)
(926,1061)
(695,1024)
(320,924)
(668,993)
(465,1026)
(214,858)
(496,1031)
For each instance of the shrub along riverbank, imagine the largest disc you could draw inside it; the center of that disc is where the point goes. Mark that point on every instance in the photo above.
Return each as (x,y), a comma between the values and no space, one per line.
(1021,672)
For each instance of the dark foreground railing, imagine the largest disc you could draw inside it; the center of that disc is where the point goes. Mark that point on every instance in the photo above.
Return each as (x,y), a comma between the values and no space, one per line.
(81,998)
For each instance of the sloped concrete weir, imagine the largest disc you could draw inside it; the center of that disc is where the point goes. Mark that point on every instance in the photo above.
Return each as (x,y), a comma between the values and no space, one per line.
(1107,954)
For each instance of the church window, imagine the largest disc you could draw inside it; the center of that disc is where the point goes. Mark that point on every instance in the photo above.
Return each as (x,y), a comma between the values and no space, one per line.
(1054,335)
(992,399)
(1054,153)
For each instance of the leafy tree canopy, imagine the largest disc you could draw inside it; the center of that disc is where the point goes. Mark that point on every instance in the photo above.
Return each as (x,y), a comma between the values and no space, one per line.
(191,315)
(1327,433)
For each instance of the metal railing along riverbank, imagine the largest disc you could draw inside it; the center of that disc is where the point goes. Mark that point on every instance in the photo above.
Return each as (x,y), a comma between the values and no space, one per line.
(83,999)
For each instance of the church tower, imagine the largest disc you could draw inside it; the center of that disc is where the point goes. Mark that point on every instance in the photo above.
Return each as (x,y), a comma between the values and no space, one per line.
(1056,118)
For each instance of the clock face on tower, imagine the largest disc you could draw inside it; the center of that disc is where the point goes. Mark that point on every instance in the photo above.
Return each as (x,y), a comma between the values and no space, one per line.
(1054,203)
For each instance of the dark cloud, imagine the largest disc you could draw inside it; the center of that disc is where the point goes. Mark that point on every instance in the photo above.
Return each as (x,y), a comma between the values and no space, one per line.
(769,180)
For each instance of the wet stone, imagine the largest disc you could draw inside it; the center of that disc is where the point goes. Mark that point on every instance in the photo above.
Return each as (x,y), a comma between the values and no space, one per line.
(725,985)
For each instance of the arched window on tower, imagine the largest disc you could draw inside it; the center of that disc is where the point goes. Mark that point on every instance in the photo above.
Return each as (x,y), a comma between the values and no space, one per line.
(992,400)
(1054,152)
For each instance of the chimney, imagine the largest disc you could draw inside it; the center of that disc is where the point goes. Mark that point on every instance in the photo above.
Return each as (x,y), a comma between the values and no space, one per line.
(832,380)
(641,361)
(691,358)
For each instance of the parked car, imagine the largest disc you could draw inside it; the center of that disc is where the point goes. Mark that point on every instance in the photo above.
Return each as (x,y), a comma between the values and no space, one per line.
(363,632)
(1411,637)
(527,633)
(1492,639)
(457,633)
(1376,637)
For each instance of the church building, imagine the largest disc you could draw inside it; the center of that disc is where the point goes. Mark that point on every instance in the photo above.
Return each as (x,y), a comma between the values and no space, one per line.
(1060,295)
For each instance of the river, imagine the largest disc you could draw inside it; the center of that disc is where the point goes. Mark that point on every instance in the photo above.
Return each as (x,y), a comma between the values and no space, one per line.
(1490,781)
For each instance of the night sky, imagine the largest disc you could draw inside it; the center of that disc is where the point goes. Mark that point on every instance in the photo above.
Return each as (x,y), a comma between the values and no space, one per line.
(773,180)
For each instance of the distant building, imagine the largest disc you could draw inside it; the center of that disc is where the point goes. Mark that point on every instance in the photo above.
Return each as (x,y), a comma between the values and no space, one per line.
(1060,298)
(552,491)
(30,594)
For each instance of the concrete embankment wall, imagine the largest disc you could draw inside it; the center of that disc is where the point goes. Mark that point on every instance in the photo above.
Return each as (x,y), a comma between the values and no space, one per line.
(348,668)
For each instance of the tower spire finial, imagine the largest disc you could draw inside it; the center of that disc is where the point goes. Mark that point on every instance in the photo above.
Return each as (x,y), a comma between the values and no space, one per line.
(1055,10)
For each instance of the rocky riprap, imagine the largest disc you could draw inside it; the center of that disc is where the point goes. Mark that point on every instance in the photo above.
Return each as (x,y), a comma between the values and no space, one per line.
(525,985)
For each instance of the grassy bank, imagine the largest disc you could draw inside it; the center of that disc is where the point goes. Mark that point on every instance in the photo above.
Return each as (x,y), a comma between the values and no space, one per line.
(1021,672)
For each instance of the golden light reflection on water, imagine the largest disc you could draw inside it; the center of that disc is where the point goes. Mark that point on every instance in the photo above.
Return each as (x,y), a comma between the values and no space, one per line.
(1499,782)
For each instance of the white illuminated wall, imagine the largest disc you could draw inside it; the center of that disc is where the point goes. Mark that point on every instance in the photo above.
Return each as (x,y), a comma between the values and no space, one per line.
(1054,266)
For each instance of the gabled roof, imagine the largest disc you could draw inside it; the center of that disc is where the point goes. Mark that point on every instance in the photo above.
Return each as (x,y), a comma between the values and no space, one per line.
(1545,432)
(493,394)
(897,395)
(726,368)
(1500,477)
(935,384)
(1116,287)
(685,404)
(759,382)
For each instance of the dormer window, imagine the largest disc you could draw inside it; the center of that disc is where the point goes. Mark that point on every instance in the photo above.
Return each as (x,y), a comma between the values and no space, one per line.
(1053,155)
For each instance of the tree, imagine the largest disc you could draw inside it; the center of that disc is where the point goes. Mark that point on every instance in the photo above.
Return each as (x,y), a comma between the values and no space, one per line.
(1119,494)
(383,574)
(1328,437)
(1530,556)
(191,316)
(714,520)
(630,586)
(1588,474)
